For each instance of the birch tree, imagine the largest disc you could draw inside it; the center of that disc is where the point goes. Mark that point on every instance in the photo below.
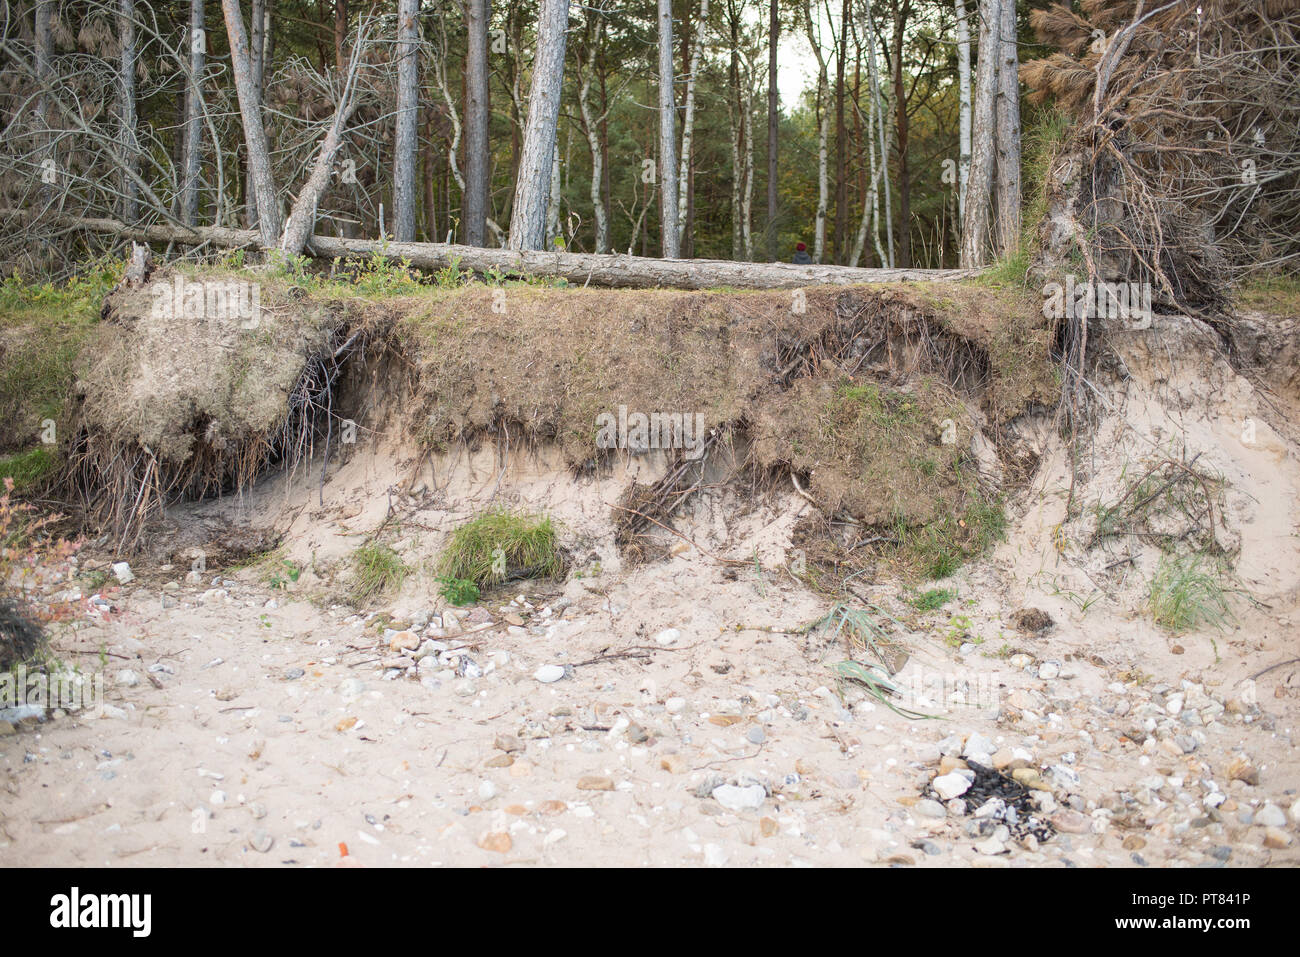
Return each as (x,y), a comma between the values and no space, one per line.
(408,115)
(532,190)
(688,121)
(588,56)
(478,160)
(667,135)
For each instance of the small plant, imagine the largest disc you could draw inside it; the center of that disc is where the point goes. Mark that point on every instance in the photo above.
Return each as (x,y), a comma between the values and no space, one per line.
(458,591)
(932,600)
(876,685)
(862,630)
(1187,592)
(283,573)
(377,569)
(500,546)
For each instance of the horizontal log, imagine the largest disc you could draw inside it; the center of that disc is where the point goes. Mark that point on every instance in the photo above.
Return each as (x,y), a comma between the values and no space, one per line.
(582,269)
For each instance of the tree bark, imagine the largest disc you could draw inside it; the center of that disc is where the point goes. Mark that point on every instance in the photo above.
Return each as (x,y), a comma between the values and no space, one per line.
(636,272)
(1008,133)
(841,146)
(667,136)
(407,120)
(686,167)
(773,126)
(259,30)
(963,106)
(478,14)
(127,110)
(259,154)
(190,162)
(975,223)
(532,191)
(591,129)
(902,11)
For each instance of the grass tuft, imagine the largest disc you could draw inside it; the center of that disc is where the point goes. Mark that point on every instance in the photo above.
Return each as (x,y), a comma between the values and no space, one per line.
(1187,592)
(377,569)
(500,546)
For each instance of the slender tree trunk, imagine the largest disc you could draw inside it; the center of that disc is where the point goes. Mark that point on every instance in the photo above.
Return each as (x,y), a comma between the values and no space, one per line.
(528,217)
(259,32)
(428,171)
(841,145)
(880,107)
(667,136)
(408,117)
(685,170)
(607,189)
(478,13)
(1008,133)
(259,154)
(902,12)
(591,128)
(747,200)
(773,126)
(197,37)
(975,222)
(127,112)
(963,105)
(736,116)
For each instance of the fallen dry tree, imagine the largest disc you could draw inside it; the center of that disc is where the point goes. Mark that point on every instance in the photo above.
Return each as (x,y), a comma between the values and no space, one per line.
(582,269)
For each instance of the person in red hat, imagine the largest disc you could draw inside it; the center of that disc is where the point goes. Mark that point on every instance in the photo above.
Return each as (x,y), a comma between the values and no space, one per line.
(801,257)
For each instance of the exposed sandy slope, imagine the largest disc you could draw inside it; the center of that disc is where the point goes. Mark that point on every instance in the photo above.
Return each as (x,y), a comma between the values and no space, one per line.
(232,761)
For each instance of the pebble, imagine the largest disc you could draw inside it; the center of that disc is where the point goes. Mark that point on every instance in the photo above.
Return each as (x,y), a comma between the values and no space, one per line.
(595,782)
(127,678)
(122,571)
(262,841)
(930,808)
(949,786)
(1277,839)
(1270,815)
(675,705)
(547,674)
(669,636)
(734,798)
(756,735)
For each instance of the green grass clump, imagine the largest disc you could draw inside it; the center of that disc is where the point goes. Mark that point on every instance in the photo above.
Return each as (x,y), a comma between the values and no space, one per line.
(500,544)
(1187,591)
(377,569)
(932,600)
(29,469)
(941,547)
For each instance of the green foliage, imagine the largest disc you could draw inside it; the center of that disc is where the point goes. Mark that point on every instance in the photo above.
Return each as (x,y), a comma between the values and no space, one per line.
(376,569)
(1187,591)
(458,591)
(500,544)
(933,599)
(29,469)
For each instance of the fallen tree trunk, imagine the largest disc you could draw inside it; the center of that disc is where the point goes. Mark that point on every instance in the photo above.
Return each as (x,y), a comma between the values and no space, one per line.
(634,272)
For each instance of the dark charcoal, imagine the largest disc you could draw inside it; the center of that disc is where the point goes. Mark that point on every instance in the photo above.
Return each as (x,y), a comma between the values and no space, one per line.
(1020,816)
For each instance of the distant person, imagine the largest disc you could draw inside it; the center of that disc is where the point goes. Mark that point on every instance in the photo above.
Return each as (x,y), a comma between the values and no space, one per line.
(801,257)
